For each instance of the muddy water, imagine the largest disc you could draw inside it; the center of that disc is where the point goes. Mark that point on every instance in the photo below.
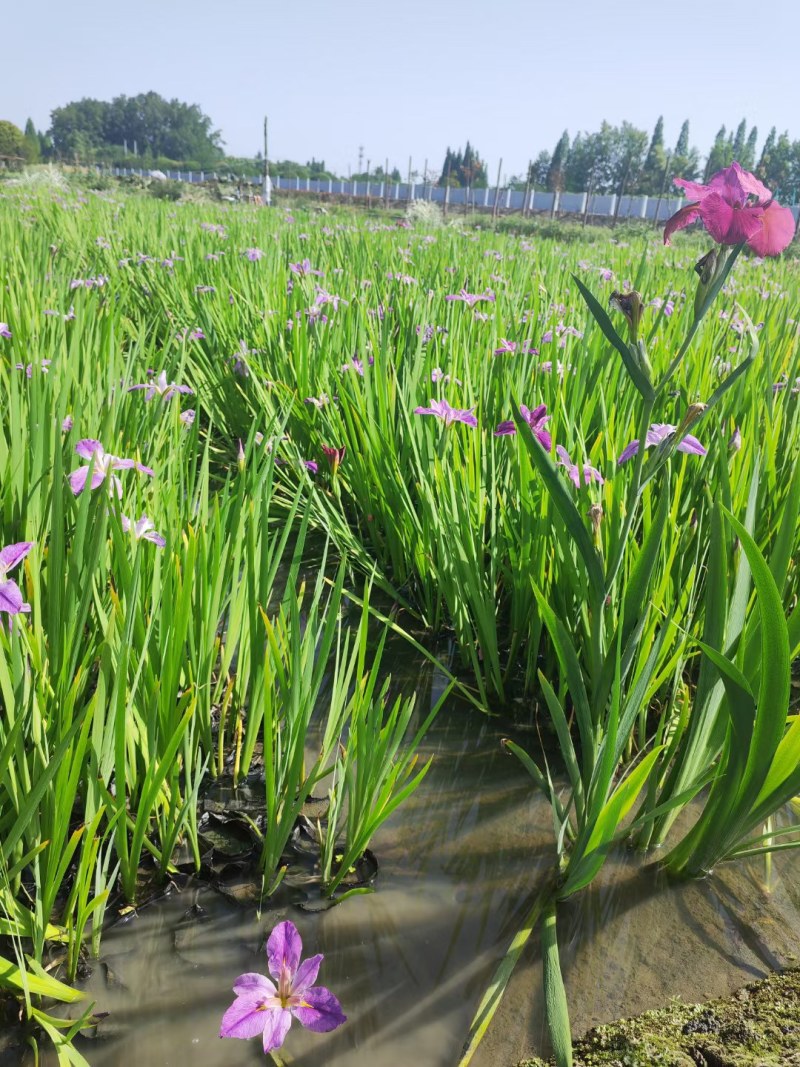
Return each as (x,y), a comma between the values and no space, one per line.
(410,962)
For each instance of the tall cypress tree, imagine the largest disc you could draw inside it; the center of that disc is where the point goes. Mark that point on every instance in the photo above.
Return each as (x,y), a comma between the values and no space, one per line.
(748,159)
(655,161)
(739,140)
(555,174)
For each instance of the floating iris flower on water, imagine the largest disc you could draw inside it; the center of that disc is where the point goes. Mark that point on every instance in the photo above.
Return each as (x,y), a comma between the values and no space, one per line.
(442,410)
(536,419)
(160,387)
(735,207)
(576,472)
(102,466)
(263,1008)
(10,596)
(658,432)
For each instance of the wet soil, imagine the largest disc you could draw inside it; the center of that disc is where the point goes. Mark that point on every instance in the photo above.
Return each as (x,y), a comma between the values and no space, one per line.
(757,1026)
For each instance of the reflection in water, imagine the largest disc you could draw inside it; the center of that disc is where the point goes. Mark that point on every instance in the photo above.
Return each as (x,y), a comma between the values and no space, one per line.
(458,864)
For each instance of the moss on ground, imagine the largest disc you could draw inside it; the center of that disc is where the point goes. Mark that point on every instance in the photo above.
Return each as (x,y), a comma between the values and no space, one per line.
(758,1026)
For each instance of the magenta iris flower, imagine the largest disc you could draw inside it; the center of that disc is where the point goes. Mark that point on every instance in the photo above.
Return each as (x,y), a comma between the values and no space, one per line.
(576,472)
(536,419)
(142,530)
(735,207)
(160,387)
(658,432)
(442,410)
(103,466)
(10,596)
(263,1008)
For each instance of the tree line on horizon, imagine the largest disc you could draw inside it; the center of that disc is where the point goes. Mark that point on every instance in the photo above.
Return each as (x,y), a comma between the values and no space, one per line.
(623,159)
(613,159)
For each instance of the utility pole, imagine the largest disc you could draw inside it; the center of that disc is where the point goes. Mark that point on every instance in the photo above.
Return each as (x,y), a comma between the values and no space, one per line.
(527,189)
(360,159)
(267,184)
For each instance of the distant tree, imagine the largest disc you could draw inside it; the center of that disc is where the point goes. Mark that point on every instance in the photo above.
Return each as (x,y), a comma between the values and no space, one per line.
(157,127)
(740,140)
(652,175)
(766,152)
(721,154)
(12,140)
(556,174)
(607,161)
(748,159)
(541,168)
(463,168)
(780,171)
(685,162)
(34,149)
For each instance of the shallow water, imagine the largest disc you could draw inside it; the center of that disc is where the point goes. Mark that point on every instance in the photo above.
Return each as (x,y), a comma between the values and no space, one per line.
(410,962)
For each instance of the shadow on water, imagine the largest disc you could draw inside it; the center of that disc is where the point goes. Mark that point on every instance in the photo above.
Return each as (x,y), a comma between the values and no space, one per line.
(458,865)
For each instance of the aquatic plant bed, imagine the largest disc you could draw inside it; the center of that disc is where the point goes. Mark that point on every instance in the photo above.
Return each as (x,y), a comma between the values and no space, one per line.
(758,1026)
(277,489)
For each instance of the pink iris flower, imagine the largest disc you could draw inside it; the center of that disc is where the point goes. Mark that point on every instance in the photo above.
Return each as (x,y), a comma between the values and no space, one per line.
(658,432)
(575,472)
(11,600)
(536,419)
(262,1007)
(103,464)
(442,410)
(735,207)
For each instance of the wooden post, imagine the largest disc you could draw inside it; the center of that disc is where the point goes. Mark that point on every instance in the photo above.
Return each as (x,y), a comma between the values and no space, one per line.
(527,190)
(589,194)
(621,193)
(661,190)
(497,190)
(267,191)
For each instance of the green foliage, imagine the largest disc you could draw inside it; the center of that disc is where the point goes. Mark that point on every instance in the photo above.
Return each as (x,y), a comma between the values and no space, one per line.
(464,168)
(12,141)
(88,128)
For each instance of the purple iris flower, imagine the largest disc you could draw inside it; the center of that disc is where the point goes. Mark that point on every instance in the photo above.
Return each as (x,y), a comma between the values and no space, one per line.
(505,346)
(658,432)
(263,1008)
(4,330)
(253,254)
(143,530)
(304,268)
(103,463)
(187,417)
(442,410)
(536,419)
(575,472)
(10,596)
(160,387)
(471,299)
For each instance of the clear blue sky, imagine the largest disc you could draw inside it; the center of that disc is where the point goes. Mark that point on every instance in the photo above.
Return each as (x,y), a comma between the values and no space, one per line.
(410,78)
